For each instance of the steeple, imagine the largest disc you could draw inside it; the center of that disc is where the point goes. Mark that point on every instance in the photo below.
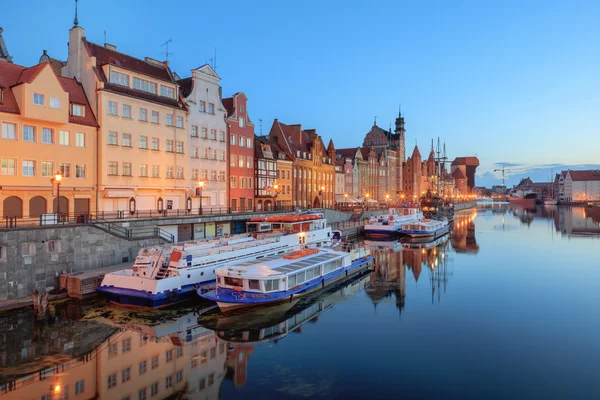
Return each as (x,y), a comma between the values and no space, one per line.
(375,121)
(75,21)
(401,135)
(3,50)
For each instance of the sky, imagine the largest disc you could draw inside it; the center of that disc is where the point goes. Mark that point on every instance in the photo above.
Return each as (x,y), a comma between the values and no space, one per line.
(512,82)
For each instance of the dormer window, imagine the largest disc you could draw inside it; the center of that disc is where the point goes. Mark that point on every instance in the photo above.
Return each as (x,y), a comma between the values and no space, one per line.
(166,91)
(146,86)
(298,153)
(119,78)
(304,155)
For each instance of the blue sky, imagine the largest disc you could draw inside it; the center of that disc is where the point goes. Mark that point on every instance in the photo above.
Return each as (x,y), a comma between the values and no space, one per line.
(512,82)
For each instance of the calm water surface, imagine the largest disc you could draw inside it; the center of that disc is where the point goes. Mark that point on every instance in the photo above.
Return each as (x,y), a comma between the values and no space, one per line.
(505,307)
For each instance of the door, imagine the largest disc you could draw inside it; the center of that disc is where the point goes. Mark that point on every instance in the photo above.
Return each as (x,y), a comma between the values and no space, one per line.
(82,206)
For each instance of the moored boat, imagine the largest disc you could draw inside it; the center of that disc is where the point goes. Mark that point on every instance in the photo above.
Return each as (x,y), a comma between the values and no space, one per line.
(169,274)
(549,201)
(427,228)
(276,279)
(525,199)
(389,225)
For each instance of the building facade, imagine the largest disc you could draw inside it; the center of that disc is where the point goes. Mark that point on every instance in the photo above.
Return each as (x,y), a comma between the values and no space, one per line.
(207,139)
(241,153)
(581,186)
(142,141)
(265,162)
(47,127)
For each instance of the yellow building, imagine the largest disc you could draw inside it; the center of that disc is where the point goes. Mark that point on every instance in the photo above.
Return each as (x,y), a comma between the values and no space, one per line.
(47,126)
(142,165)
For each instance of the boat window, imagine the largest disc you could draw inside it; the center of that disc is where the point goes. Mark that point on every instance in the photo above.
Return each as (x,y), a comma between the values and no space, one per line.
(291,281)
(309,274)
(254,284)
(300,277)
(316,271)
(233,281)
(271,284)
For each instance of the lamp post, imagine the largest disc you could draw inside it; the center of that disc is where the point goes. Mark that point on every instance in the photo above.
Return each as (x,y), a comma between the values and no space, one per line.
(321,194)
(275,193)
(201,186)
(57,179)
(367,201)
(346,200)
(387,199)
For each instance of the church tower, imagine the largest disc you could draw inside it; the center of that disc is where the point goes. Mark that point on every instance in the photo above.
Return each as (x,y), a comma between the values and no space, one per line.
(400,132)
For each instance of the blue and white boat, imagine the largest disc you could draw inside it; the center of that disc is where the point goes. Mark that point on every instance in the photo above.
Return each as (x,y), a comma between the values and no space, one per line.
(426,228)
(389,225)
(276,279)
(169,274)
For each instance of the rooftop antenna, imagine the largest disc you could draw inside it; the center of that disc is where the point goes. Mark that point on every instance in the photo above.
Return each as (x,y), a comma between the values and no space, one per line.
(215,60)
(105,35)
(166,53)
(260,124)
(375,121)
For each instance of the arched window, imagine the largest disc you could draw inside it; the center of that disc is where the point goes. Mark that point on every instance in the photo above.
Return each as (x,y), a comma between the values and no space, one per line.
(189,204)
(132,205)
(160,205)
(37,206)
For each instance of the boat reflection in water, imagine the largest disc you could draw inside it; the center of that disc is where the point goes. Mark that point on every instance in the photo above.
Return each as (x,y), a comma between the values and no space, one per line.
(463,235)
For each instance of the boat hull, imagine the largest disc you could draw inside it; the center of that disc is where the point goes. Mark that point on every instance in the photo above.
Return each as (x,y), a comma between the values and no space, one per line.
(550,202)
(229,300)
(131,298)
(378,233)
(427,234)
(522,202)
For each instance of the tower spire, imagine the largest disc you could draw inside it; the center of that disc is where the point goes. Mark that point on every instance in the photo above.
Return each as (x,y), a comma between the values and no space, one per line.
(375,121)
(75,21)
(399,110)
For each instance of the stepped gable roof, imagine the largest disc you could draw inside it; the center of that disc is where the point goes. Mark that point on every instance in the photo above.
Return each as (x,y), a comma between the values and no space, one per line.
(13,74)
(112,57)
(458,174)
(465,161)
(416,152)
(228,104)
(186,85)
(585,175)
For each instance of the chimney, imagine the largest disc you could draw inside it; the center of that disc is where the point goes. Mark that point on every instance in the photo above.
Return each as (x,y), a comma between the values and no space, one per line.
(110,46)
(154,62)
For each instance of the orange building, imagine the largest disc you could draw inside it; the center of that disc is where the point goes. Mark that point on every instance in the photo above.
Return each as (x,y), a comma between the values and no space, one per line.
(47,126)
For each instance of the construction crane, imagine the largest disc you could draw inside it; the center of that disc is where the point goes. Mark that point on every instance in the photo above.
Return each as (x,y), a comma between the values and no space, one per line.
(503,171)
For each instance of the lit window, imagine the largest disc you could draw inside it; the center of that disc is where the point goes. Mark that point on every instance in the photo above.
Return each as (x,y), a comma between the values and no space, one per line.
(112,108)
(9,131)
(76,110)
(47,168)
(9,166)
(80,171)
(54,102)
(38,99)
(28,167)
(222,176)
(233,181)
(28,133)
(80,139)
(63,139)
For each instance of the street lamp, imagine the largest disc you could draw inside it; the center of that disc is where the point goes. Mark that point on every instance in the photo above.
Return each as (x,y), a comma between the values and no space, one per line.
(201,186)
(387,198)
(321,194)
(346,200)
(367,201)
(276,192)
(57,179)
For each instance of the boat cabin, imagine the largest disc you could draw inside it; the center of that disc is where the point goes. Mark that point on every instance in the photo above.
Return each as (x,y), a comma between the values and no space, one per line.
(286,224)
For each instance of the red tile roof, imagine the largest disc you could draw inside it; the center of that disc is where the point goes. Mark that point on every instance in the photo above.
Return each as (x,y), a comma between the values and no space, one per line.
(186,85)
(228,104)
(585,175)
(465,161)
(13,74)
(416,152)
(347,153)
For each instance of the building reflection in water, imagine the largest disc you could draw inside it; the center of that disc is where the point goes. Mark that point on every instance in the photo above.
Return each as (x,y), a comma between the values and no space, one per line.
(462,236)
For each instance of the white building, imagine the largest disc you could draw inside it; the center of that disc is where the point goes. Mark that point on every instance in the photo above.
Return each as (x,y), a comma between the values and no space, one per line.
(580,186)
(207,138)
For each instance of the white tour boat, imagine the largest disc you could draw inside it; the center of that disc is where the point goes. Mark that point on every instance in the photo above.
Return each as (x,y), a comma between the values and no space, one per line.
(389,225)
(284,278)
(425,228)
(171,273)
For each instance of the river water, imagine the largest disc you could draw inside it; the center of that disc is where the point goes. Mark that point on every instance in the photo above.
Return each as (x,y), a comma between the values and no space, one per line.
(505,307)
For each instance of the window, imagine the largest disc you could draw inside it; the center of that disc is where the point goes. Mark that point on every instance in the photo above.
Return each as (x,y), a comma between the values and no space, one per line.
(179,172)
(146,86)
(28,134)
(167,91)
(202,106)
(213,175)
(154,389)
(170,146)
(241,142)
(179,352)
(213,353)
(194,152)
(242,122)
(79,387)
(143,367)
(126,375)
(112,138)
(169,381)
(126,141)
(54,102)
(249,163)
(65,170)
(113,168)
(143,142)
(222,176)
(194,173)
(9,166)
(205,174)
(155,144)
(28,167)
(249,186)
(249,143)
(232,140)
(28,249)
(154,362)
(142,394)
(179,375)
(213,134)
(143,114)
(126,345)
(221,136)
(76,110)
(119,78)
(112,108)
(213,154)
(126,169)
(126,111)
(211,108)
(155,117)
(47,136)
(9,131)
(112,381)
(144,170)
(242,161)
(179,147)
(169,172)
(155,171)
(169,119)
(242,182)
(194,131)
(233,181)
(169,355)
(80,139)
(205,153)
(204,133)
(180,122)
(221,155)
(47,168)
(80,171)
(38,99)
(63,138)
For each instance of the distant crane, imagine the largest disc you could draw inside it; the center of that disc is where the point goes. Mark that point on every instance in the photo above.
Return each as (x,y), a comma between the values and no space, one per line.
(503,171)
